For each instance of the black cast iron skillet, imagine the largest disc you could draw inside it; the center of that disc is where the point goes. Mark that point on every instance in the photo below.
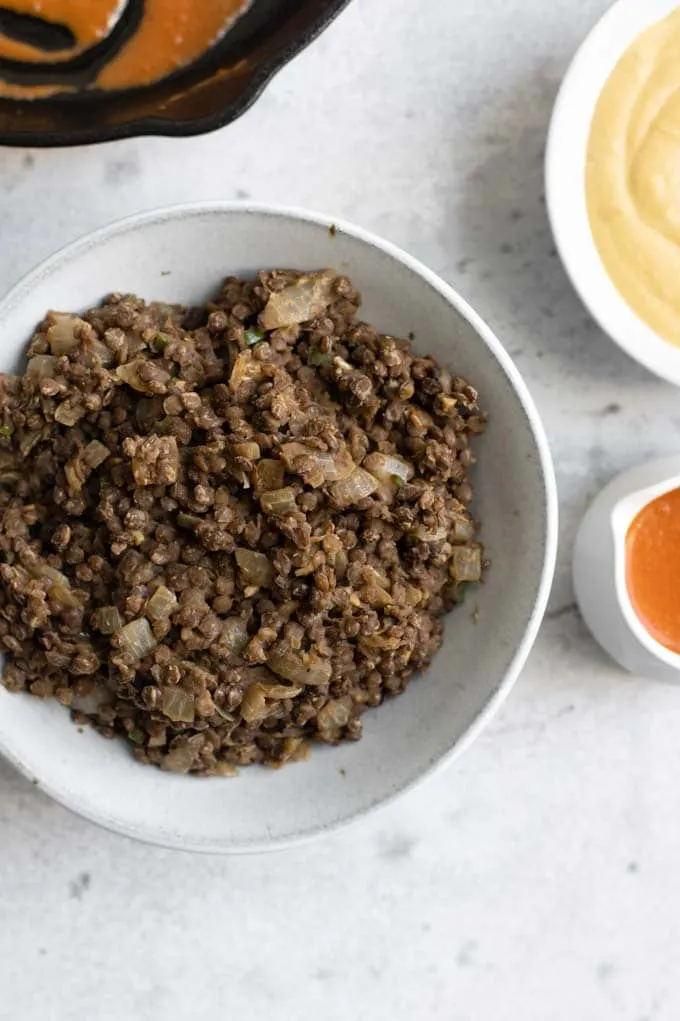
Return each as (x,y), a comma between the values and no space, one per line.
(211,93)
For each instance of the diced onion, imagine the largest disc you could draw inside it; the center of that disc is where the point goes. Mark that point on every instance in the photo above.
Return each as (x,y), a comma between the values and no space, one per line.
(178,705)
(385,467)
(246,370)
(95,453)
(309,669)
(130,373)
(62,598)
(377,584)
(353,489)
(182,758)
(320,465)
(390,470)
(157,740)
(41,367)
(234,634)
(463,529)
(296,749)
(333,716)
(102,353)
(28,439)
(77,470)
(61,333)
(422,533)
(374,577)
(306,298)
(137,638)
(466,563)
(162,604)
(254,705)
(249,450)
(42,570)
(74,480)
(69,412)
(269,474)
(376,596)
(93,701)
(255,567)
(381,642)
(279,501)
(280,691)
(108,620)
(59,592)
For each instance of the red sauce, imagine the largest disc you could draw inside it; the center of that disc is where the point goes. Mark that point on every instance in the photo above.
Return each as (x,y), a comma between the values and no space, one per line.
(653,568)
(171,35)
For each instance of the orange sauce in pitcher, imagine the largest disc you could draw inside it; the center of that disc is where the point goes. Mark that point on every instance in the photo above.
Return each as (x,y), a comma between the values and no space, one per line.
(653,568)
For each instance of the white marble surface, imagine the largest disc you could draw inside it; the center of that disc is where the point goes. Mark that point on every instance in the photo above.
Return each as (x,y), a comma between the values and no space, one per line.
(536,879)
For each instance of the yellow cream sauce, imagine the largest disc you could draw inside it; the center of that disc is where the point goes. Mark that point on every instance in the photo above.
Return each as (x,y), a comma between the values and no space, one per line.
(633,177)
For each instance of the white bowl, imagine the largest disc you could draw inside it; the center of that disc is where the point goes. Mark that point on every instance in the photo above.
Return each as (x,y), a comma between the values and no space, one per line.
(182,254)
(565,182)
(599,567)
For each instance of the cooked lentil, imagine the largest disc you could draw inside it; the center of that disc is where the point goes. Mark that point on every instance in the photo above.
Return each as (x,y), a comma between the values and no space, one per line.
(226,532)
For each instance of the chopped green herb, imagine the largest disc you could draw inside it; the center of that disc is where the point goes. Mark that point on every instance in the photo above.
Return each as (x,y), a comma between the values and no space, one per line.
(136,736)
(253,336)
(317,357)
(160,341)
(6,430)
(166,272)
(188,520)
(398,481)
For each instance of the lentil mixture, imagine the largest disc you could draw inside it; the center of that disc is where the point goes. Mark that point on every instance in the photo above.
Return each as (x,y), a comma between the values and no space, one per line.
(226,532)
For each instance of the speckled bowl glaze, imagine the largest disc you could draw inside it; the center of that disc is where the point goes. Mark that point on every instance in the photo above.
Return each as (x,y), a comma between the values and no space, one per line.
(566,177)
(182,254)
(212,92)
(600,569)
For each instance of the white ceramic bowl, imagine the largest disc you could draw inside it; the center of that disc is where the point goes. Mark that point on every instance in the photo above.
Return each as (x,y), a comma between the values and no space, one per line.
(600,569)
(182,254)
(565,182)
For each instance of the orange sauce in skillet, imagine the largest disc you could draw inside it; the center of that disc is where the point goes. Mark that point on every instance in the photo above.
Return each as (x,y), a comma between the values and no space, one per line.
(172,34)
(653,568)
(90,21)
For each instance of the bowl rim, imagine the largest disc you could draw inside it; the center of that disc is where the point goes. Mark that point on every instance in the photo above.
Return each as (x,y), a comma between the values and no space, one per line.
(157,126)
(565,191)
(102,235)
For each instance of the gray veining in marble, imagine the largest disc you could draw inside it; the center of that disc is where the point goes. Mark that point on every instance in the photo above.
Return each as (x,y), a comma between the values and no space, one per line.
(536,880)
